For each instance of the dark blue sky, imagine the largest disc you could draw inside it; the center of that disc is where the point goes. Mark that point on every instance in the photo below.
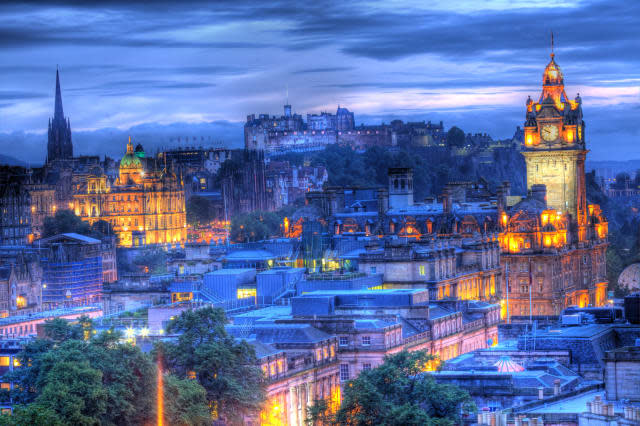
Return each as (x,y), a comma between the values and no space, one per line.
(469,63)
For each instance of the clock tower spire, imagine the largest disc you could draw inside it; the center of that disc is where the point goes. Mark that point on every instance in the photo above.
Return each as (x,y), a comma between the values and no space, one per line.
(554,146)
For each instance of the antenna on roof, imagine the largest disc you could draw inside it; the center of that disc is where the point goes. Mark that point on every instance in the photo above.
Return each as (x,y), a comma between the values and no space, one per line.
(287,94)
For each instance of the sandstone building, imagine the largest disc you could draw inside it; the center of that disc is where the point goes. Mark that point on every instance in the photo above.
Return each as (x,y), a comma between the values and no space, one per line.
(144,205)
(553,243)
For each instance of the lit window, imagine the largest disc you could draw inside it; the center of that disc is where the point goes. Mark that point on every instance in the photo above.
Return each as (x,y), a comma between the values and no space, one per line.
(344,372)
(422,271)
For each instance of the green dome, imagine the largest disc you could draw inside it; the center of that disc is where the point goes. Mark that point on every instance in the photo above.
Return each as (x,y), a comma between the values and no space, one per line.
(130,161)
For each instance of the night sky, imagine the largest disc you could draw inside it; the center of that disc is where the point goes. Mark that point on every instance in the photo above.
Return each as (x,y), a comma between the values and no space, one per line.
(468,63)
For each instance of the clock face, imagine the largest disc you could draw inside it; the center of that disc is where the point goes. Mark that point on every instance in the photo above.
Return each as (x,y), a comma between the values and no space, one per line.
(549,133)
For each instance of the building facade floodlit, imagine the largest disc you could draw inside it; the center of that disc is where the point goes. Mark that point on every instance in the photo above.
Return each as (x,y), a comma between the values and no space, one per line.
(144,205)
(553,242)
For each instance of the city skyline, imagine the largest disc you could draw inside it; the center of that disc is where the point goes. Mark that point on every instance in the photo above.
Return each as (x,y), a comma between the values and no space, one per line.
(122,65)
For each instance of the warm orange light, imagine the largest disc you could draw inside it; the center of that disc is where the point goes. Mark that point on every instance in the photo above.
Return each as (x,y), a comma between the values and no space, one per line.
(569,135)
(160,395)
(545,218)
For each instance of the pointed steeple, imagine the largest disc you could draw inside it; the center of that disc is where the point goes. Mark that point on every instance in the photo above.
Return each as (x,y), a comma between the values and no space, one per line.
(59,145)
(58,112)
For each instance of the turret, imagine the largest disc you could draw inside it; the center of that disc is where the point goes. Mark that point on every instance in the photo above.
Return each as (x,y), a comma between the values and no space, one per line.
(400,188)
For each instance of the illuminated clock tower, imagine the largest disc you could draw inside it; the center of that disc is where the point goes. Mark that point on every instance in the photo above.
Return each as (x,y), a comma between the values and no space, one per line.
(554,147)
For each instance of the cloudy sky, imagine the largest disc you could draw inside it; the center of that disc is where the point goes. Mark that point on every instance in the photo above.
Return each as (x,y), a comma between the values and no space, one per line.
(468,63)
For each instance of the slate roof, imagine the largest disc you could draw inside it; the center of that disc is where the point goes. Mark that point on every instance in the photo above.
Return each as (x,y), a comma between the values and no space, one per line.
(288,333)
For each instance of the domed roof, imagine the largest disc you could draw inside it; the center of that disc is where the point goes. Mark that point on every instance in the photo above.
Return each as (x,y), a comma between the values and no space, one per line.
(130,159)
(630,277)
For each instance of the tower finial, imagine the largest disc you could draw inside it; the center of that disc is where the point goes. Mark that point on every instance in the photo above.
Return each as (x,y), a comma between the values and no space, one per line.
(552,53)
(58,113)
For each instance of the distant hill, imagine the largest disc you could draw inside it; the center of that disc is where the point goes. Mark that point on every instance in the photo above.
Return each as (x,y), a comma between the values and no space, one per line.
(609,169)
(11,161)
(32,147)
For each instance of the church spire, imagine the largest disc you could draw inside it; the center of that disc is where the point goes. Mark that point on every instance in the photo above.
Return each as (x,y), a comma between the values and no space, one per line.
(59,145)
(58,112)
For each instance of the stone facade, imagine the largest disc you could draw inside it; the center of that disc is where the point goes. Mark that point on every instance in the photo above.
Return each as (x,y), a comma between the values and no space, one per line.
(143,205)
(461,269)
(20,285)
(553,243)
(290,133)
(15,213)
(622,373)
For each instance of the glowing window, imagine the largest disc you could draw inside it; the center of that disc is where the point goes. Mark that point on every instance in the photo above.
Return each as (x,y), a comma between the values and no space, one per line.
(4,361)
(422,271)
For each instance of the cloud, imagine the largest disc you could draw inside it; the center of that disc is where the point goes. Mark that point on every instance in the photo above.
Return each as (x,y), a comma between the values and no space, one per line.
(322,70)
(466,62)
(6,95)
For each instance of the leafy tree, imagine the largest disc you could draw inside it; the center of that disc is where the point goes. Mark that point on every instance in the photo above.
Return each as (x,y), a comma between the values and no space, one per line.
(96,381)
(32,414)
(185,402)
(398,392)
(455,137)
(199,210)
(622,180)
(74,391)
(65,221)
(255,226)
(226,368)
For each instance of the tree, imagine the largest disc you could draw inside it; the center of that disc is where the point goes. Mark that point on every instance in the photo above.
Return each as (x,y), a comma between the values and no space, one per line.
(199,210)
(623,181)
(399,392)
(95,381)
(455,137)
(185,402)
(226,368)
(33,414)
(258,225)
(74,391)
(63,222)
